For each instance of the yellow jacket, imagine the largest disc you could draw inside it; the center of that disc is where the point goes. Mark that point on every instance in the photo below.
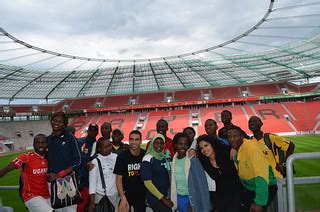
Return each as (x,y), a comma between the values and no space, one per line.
(254,171)
(281,143)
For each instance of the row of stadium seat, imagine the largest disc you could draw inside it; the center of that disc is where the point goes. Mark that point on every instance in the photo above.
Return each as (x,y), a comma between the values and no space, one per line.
(282,118)
(287,118)
(177,96)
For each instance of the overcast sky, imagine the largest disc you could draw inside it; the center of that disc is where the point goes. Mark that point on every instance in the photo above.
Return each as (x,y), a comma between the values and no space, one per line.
(125,29)
(129,29)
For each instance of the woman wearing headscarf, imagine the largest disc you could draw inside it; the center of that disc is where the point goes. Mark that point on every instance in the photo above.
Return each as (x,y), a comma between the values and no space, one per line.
(155,175)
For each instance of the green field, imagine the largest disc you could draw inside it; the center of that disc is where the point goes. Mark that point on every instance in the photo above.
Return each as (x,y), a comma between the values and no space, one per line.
(307,195)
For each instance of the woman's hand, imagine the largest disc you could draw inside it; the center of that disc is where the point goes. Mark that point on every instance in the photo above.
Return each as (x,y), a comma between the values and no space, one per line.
(191,153)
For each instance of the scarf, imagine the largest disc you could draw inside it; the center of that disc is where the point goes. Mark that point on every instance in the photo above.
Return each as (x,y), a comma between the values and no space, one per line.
(152,151)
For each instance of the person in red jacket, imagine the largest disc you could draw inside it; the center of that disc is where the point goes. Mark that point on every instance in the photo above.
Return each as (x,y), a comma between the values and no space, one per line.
(162,128)
(34,167)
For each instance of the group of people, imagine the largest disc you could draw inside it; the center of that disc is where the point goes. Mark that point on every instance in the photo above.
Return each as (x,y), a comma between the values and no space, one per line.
(218,171)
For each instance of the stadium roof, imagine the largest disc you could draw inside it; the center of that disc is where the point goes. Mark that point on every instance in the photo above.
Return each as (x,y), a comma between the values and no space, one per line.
(291,51)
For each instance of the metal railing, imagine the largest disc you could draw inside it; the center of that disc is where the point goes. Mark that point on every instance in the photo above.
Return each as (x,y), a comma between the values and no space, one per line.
(9,187)
(291,181)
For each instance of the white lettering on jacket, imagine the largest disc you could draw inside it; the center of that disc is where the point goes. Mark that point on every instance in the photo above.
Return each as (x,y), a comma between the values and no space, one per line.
(39,171)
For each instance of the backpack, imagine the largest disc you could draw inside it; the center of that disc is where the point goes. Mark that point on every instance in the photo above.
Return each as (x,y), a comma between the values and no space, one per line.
(276,151)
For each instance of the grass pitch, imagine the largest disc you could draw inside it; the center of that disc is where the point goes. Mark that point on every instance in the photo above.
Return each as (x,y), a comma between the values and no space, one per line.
(307,196)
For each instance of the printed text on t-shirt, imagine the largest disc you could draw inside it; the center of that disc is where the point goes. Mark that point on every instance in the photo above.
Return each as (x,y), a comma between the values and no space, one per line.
(133,169)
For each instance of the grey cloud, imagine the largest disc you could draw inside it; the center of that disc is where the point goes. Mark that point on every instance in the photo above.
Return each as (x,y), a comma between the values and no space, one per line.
(204,23)
(122,51)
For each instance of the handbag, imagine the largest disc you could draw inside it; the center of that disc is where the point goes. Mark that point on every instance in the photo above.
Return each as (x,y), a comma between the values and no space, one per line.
(65,192)
(104,205)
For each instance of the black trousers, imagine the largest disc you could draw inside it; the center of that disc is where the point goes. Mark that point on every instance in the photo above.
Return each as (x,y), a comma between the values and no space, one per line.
(248,196)
(138,203)
(225,202)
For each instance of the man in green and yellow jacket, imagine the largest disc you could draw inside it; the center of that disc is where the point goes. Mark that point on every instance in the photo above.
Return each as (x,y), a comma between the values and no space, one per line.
(254,172)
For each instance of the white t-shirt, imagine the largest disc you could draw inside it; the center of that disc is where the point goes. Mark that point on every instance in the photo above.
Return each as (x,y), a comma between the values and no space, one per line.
(95,184)
(211,183)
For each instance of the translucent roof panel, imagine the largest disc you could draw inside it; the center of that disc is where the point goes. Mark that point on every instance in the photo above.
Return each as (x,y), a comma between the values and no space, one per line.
(294,61)
(284,45)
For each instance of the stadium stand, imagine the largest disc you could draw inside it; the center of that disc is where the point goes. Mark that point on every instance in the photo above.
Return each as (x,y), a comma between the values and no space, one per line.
(177,120)
(302,89)
(80,123)
(117,101)
(21,133)
(82,104)
(264,90)
(21,109)
(306,116)
(285,117)
(273,117)
(63,105)
(46,108)
(190,95)
(156,98)
(149,99)
(188,108)
(126,122)
(238,115)
(224,93)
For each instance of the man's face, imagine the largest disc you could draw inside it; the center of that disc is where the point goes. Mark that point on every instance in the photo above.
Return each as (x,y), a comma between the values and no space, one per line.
(134,141)
(92,133)
(190,134)
(226,117)
(105,148)
(255,124)
(57,124)
(210,127)
(162,128)
(117,137)
(106,130)
(40,144)
(235,138)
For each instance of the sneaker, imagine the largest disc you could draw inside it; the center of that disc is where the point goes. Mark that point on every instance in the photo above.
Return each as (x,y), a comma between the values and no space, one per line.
(70,187)
(61,189)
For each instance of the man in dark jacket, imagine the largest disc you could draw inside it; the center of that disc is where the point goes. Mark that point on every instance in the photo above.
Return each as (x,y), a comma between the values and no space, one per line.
(117,145)
(64,155)
(226,118)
